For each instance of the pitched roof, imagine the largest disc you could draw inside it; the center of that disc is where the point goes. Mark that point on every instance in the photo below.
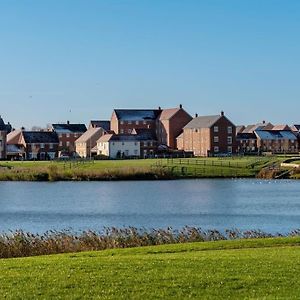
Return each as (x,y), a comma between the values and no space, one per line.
(168,113)
(89,134)
(100,123)
(295,127)
(40,137)
(69,128)
(281,127)
(119,137)
(275,135)
(240,128)
(258,126)
(13,138)
(4,127)
(246,136)
(203,122)
(137,114)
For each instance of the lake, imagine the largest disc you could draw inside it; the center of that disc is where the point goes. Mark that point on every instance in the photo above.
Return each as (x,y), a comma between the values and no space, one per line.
(272,206)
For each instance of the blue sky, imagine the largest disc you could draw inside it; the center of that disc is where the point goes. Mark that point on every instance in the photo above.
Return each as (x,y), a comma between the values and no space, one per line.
(77,60)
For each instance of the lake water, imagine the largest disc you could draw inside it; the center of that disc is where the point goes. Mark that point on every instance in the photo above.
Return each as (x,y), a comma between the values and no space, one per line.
(273,206)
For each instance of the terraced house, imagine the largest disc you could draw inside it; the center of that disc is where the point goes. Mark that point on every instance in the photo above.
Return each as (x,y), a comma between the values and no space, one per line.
(33,145)
(209,136)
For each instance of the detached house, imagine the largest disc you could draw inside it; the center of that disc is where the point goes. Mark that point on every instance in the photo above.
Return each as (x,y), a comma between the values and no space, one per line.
(67,134)
(85,144)
(209,136)
(119,146)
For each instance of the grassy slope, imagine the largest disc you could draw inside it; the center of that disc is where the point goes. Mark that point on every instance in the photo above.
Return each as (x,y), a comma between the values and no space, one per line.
(200,167)
(265,268)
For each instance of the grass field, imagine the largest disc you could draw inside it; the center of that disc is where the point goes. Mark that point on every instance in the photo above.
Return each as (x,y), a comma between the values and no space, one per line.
(133,169)
(242,269)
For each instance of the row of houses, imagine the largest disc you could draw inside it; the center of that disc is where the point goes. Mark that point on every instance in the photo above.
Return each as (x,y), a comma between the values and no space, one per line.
(148,133)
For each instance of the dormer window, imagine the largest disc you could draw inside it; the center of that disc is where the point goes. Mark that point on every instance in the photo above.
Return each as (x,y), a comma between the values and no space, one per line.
(216,128)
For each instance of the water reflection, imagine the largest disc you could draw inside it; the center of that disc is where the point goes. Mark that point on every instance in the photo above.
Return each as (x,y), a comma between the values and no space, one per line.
(273,206)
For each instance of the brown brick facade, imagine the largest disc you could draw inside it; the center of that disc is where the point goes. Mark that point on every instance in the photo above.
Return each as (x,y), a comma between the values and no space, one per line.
(217,139)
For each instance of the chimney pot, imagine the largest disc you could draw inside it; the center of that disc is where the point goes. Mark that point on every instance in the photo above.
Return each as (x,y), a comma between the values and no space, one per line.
(159,108)
(180,105)
(68,122)
(196,115)
(222,113)
(264,122)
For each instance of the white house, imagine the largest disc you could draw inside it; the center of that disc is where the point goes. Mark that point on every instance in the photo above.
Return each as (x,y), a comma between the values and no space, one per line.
(119,145)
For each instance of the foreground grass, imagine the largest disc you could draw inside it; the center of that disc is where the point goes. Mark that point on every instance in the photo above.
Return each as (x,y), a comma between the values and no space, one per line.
(261,268)
(135,169)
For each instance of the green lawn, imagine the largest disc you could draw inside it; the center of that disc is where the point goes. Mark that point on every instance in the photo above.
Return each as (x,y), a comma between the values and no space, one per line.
(192,167)
(246,269)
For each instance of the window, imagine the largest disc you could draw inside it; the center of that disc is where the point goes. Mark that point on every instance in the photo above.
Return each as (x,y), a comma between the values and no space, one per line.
(127,152)
(123,143)
(216,139)
(129,122)
(51,146)
(216,149)
(135,152)
(229,140)
(121,122)
(68,135)
(122,131)
(129,130)
(137,122)
(216,128)
(229,129)
(68,144)
(229,149)
(144,122)
(135,143)
(60,135)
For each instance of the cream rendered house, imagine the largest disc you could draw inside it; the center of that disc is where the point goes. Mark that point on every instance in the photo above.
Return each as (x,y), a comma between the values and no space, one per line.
(119,146)
(88,141)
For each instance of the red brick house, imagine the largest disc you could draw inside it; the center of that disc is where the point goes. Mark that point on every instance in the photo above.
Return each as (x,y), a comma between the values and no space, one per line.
(123,121)
(170,125)
(67,134)
(34,145)
(209,136)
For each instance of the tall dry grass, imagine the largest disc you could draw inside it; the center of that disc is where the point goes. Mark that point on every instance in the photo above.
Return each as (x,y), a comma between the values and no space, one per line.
(21,244)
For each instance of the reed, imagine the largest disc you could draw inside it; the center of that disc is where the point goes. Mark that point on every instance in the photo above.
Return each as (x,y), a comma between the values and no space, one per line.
(21,244)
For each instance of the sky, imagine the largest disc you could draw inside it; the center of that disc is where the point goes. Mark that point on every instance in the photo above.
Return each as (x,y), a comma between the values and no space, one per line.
(77,60)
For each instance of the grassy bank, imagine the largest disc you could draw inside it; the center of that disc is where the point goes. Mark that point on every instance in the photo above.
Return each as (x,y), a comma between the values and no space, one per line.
(256,269)
(134,169)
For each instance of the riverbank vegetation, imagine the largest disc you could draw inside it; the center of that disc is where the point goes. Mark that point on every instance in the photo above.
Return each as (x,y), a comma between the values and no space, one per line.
(21,244)
(238,269)
(144,169)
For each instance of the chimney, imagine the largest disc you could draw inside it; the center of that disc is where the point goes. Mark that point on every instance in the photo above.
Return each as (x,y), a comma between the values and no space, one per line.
(196,115)
(68,122)
(264,122)
(180,105)
(159,108)
(222,113)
